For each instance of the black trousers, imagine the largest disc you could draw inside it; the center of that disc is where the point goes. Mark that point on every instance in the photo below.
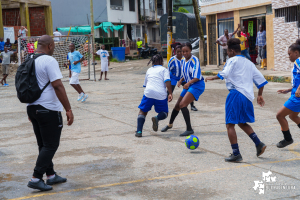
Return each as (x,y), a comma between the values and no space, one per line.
(47,126)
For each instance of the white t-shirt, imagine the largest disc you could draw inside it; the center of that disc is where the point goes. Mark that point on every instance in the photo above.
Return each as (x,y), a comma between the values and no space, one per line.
(22,33)
(103,55)
(56,33)
(47,69)
(155,82)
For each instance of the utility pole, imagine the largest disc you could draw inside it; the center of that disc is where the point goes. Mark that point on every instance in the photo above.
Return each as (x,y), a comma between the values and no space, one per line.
(170,27)
(93,36)
(145,25)
(200,31)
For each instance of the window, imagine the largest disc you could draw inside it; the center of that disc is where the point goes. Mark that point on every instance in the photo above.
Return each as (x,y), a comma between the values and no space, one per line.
(116,3)
(291,14)
(132,5)
(269,9)
(138,31)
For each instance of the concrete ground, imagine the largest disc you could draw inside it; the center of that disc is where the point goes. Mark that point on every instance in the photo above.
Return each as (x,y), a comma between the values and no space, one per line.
(102,158)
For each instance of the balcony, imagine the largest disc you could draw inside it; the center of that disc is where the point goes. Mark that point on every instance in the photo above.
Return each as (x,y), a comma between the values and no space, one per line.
(210,2)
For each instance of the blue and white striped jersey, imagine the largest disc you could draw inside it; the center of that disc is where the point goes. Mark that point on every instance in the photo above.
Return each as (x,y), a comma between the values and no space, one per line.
(191,69)
(174,67)
(296,74)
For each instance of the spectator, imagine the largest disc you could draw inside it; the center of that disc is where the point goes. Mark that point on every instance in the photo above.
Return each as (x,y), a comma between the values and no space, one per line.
(244,50)
(261,45)
(30,47)
(174,45)
(22,32)
(223,42)
(139,45)
(5,57)
(45,115)
(246,35)
(7,44)
(1,44)
(57,34)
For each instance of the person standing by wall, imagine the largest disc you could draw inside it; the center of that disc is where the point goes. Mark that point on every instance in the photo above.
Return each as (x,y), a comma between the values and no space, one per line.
(261,45)
(223,42)
(22,32)
(7,44)
(1,44)
(139,45)
(45,115)
(57,34)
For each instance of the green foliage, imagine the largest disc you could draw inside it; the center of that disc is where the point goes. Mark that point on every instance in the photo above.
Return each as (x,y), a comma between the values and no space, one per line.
(114,60)
(183,10)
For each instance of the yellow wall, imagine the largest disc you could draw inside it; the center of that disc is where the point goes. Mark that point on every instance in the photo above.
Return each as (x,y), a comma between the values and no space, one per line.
(270,40)
(207,39)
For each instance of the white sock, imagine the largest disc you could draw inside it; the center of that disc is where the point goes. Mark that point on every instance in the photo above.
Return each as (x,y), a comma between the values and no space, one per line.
(81,93)
(35,180)
(50,177)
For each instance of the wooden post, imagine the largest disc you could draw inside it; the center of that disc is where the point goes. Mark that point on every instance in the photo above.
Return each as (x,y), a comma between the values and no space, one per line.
(27,19)
(1,23)
(22,14)
(93,36)
(50,22)
(46,19)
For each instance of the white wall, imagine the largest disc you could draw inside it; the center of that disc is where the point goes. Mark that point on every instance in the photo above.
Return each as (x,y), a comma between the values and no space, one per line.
(231,5)
(124,16)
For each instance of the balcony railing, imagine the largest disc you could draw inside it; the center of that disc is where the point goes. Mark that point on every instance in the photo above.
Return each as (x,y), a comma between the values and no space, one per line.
(209,2)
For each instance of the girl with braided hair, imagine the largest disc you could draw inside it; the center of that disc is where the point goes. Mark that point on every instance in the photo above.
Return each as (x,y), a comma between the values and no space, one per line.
(156,81)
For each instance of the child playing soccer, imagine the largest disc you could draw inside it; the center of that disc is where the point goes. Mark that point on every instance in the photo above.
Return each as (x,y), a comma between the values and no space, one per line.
(239,74)
(104,61)
(194,87)
(75,59)
(292,105)
(156,81)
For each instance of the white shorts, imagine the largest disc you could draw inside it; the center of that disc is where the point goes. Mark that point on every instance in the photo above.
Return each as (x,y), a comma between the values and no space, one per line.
(74,78)
(104,66)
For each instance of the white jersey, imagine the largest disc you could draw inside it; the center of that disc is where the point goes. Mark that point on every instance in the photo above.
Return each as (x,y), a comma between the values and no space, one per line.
(240,74)
(57,34)
(103,55)
(47,69)
(155,82)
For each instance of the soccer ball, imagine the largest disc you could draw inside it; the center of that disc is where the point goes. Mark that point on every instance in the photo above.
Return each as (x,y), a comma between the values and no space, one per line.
(192,142)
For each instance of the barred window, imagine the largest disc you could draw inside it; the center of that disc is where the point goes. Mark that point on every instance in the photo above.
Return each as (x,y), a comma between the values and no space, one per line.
(291,14)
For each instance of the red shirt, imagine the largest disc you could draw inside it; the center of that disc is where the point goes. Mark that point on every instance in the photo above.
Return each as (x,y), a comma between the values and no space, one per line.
(30,48)
(246,35)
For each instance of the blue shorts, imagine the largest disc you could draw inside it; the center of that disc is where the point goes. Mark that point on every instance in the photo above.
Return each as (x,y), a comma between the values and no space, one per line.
(196,90)
(293,103)
(159,105)
(238,108)
(174,81)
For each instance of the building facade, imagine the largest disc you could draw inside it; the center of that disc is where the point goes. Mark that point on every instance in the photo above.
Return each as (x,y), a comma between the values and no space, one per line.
(278,17)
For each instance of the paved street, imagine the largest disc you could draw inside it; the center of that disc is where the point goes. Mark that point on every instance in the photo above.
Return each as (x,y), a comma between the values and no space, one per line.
(102,158)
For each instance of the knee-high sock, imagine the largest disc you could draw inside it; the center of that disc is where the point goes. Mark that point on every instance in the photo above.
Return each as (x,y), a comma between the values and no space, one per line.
(173,116)
(162,116)
(186,115)
(140,122)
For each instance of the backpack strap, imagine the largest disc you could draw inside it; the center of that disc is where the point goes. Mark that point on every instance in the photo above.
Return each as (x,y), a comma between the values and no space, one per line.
(45,86)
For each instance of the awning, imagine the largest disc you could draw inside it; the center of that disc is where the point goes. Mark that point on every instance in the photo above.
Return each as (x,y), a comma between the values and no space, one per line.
(87,29)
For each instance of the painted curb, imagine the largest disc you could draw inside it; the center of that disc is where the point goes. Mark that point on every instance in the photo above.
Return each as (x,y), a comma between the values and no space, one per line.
(278,79)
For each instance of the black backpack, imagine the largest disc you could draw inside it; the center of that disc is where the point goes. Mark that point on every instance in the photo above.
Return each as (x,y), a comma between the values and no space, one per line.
(27,86)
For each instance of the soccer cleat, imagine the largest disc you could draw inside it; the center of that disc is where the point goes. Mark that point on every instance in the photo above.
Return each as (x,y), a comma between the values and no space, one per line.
(138,134)
(283,143)
(80,96)
(40,185)
(7,85)
(187,133)
(260,149)
(85,97)
(155,123)
(166,128)
(57,179)
(193,108)
(233,158)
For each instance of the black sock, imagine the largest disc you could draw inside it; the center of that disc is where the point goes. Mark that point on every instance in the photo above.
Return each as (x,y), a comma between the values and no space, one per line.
(287,135)
(192,104)
(299,125)
(186,115)
(173,116)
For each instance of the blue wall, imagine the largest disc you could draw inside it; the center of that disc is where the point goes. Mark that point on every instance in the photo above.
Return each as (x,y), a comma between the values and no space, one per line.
(74,12)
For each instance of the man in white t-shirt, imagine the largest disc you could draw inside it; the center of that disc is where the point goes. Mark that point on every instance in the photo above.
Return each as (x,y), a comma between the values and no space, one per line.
(22,32)
(45,115)
(57,34)
(104,61)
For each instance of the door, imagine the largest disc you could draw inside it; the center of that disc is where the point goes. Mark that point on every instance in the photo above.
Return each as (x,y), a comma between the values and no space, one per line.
(222,25)
(212,45)
(153,34)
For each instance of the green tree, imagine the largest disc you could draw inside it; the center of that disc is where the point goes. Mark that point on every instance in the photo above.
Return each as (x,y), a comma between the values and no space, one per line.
(182,10)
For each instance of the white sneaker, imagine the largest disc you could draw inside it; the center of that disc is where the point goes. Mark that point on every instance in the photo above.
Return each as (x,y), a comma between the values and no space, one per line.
(85,97)
(80,96)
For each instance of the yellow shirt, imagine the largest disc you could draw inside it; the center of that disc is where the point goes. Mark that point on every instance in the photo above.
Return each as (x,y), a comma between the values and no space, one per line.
(243,42)
(139,44)
(35,44)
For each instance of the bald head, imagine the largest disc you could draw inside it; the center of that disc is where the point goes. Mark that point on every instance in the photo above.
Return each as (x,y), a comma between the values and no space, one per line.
(46,45)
